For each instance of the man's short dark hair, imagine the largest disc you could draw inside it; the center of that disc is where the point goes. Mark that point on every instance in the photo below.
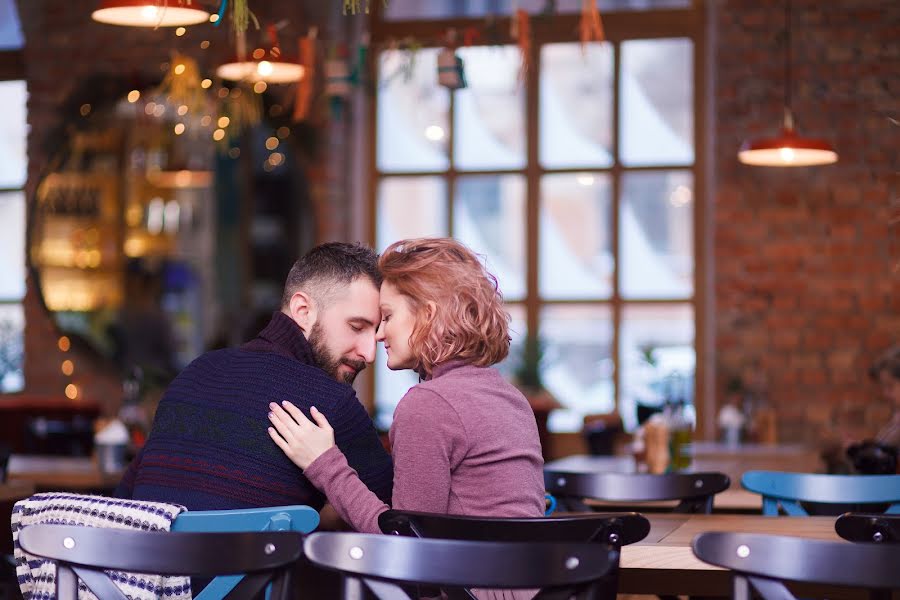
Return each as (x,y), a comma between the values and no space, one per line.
(327,267)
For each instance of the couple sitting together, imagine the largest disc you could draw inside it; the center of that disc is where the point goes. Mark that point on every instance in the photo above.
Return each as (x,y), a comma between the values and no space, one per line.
(276,422)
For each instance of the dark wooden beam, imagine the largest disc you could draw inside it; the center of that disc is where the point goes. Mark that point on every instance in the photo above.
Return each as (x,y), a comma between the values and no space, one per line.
(12,64)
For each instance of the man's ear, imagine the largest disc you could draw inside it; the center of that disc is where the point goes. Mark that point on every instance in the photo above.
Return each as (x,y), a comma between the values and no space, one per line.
(303,311)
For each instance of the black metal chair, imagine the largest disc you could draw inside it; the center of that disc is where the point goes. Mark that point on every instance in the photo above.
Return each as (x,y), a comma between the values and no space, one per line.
(85,552)
(383,564)
(616,529)
(695,490)
(762,562)
(877,528)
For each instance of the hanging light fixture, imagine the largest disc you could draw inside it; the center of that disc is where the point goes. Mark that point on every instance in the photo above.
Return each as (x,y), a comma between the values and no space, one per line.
(788,149)
(270,67)
(150,13)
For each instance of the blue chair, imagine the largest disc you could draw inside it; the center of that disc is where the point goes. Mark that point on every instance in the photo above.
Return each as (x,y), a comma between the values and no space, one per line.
(788,490)
(303,519)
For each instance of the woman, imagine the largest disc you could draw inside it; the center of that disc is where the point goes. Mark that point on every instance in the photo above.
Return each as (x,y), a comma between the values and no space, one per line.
(464,441)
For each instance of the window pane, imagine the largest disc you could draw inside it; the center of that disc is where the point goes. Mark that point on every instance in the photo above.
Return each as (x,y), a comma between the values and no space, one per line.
(657,357)
(410,207)
(576,105)
(656,233)
(518,329)
(10,29)
(577,366)
(489,217)
(656,125)
(413,122)
(12,348)
(13,131)
(576,259)
(390,386)
(12,246)
(489,115)
(417,9)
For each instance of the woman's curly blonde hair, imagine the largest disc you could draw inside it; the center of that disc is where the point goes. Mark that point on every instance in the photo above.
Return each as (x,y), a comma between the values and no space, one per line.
(457,304)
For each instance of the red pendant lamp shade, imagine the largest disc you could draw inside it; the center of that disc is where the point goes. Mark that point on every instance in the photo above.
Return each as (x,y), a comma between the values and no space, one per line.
(150,13)
(788,149)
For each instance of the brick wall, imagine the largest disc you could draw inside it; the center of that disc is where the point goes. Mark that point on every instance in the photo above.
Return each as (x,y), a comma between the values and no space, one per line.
(806,261)
(63,47)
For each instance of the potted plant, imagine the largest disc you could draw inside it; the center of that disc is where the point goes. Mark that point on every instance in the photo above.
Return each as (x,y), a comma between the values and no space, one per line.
(527,378)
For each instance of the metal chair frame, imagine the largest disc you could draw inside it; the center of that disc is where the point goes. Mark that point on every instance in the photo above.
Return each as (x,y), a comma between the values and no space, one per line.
(84,553)
(696,491)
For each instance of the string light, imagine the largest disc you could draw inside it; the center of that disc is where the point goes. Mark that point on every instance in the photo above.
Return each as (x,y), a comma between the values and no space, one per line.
(179,128)
(283,132)
(134,96)
(68,367)
(180,31)
(213,18)
(64,344)
(234,152)
(206,83)
(71,391)
(219,135)
(223,122)
(276,158)
(204,44)
(260,86)
(179,69)
(85,110)
(271,143)
(205,121)
(182,110)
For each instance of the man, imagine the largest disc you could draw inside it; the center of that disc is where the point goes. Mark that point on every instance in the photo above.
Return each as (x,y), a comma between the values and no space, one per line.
(209,448)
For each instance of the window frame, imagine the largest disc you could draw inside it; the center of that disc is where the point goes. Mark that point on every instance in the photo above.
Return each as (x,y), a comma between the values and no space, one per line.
(619,27)
(12,68)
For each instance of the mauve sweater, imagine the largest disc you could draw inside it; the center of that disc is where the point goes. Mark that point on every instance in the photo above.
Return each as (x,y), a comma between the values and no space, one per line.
(464,442)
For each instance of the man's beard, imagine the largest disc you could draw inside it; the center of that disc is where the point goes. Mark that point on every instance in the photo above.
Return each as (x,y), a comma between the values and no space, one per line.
(329,363)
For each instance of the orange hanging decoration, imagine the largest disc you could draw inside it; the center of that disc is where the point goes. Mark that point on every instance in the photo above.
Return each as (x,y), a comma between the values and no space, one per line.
(591,26)
(522,33)
(303,100)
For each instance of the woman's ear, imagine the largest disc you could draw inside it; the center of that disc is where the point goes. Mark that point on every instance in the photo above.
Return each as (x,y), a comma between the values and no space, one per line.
(430,310)
(303,311)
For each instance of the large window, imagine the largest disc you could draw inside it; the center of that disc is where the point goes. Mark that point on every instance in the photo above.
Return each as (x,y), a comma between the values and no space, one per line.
(13,131)
(578,184)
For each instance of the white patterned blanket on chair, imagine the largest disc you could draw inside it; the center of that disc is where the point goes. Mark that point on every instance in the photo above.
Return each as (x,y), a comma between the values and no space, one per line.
(37,576)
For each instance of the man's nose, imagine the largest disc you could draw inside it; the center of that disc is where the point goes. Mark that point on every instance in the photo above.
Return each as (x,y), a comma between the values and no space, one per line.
(366,348)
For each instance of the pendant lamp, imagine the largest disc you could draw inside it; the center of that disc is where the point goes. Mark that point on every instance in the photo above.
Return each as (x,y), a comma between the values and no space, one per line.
(788,149)
(150,13)
(269,71)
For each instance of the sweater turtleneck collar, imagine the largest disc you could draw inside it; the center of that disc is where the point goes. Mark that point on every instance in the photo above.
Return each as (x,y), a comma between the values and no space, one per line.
(284,336)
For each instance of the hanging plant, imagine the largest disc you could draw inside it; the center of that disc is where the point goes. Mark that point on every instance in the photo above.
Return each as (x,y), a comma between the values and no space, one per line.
(353,7)
(307,54)
(181,87)
(590,26)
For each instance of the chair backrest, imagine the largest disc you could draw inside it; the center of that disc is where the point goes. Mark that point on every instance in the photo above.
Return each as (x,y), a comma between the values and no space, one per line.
(695,490)
(302,519)
(85,552)
(383,563)
(617,529)
(762,562)
(876,528)
(788,490)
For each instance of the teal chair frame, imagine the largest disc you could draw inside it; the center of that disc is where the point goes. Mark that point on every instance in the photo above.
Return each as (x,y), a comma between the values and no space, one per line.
(788,490)
(303,519)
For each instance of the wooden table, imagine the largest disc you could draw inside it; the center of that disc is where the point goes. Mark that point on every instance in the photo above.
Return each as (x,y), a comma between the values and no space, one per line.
(707,457)
(60,473)
(663,562)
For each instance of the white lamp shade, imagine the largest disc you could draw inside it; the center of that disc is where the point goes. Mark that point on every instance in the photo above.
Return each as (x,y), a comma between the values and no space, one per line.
(149,13)
(264,70)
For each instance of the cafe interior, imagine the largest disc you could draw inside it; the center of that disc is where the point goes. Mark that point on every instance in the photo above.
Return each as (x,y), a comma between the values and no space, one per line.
(691,208)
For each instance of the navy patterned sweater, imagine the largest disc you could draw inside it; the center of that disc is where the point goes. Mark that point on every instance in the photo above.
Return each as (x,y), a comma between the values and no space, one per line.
(209,448)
